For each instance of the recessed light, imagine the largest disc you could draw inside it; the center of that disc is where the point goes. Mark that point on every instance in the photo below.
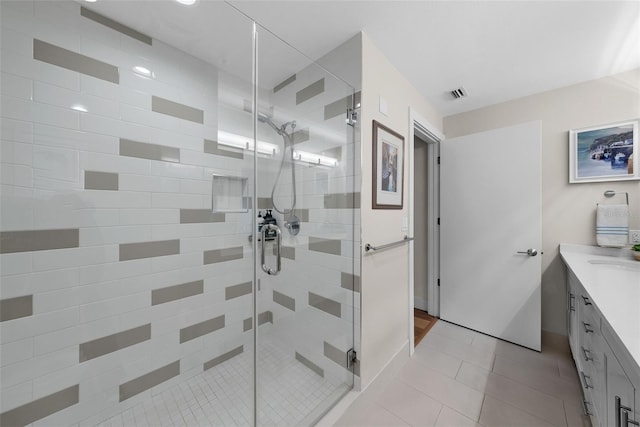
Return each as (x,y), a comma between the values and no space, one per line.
(144,72)
(187,2)
(90,1)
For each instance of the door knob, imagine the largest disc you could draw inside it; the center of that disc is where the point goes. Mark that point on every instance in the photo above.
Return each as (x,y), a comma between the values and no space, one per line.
(530,252)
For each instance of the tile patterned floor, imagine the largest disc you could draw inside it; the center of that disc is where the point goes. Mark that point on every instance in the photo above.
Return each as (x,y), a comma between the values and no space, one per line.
(458,377)
(221,396)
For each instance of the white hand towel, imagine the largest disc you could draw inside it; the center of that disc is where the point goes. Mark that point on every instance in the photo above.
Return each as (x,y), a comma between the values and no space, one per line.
(612,225)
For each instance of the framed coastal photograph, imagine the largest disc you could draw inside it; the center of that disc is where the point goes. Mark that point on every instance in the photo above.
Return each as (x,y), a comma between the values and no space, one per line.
(604,153)
(388,168)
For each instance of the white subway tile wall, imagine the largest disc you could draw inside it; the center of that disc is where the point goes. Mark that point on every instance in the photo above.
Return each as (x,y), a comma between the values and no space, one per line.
(118,283)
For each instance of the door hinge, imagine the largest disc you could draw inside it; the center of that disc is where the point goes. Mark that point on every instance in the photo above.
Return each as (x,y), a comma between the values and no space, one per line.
(438,220)
(352,117)
(438,282)
(352,357)
(438,159)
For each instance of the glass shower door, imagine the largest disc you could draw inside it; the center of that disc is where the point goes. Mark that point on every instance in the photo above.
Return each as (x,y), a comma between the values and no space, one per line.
(305,263)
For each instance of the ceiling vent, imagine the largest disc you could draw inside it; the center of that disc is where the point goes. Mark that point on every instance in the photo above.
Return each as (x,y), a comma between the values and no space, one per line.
(461,92)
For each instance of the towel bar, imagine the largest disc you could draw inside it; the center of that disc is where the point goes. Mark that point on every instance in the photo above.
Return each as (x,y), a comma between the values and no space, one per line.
(369,247)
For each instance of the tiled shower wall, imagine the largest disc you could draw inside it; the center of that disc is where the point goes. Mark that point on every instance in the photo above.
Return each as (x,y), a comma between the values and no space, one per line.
(117,280)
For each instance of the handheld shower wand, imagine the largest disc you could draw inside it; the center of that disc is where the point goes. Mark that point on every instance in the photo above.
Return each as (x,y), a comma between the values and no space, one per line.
(293,222)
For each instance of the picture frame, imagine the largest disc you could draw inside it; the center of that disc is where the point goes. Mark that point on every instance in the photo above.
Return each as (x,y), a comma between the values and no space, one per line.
(388,168)
(604,153)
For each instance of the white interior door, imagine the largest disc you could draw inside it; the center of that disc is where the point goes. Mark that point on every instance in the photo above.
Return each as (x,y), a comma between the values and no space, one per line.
(490,210)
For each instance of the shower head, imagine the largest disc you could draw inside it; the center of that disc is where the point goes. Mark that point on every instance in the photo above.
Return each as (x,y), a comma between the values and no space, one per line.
(263,118)
(282,130)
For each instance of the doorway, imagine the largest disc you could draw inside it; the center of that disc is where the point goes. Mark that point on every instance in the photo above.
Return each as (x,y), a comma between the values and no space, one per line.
(423,219)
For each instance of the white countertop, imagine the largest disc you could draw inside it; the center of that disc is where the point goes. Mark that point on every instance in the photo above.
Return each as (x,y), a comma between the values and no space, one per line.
(611,277)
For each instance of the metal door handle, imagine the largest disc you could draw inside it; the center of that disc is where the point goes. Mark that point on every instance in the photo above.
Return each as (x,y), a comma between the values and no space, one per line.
(587,327)
(586,407)
(586,300)
(265,267)
(530,252)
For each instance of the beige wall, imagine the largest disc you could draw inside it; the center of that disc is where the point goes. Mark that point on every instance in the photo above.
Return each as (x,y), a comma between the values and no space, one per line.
(568,210)
(385,281)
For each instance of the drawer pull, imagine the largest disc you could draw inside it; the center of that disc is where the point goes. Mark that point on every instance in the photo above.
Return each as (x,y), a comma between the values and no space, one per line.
(587,327)
(626,422)
(622,414)
(586,300)
(572,302)
(587,355)
(585,406)
(584,380)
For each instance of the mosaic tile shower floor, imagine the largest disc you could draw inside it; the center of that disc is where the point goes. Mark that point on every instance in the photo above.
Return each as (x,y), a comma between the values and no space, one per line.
(221,396)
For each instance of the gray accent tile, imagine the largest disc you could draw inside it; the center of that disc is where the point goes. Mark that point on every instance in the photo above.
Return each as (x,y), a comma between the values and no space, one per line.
(265,317)
(335,354)
(299,136)
(342,201)
(350,281)
(55,55)
(238,290)
(247,106)
(221,255)
(105,345)
(247,324)
(284,83)
(335,152)
(212,147)
(309,364)
(284,300)
(144,150)
(94,180)
(265,203)
(147,381)
(310,91)
(223,357)
(38,240)
(193,216)
(328,246)
(199,329)
(40,408)
(114,25)
(325,304)
(339,107)
(288,252)
(302,214)
(139,250)
(175,109)
(172,293)
(15,308)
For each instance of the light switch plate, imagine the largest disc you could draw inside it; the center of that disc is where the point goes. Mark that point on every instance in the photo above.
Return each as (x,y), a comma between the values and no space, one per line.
(384,106)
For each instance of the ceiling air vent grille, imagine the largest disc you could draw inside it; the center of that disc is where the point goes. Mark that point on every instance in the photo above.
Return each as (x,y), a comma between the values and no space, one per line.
(458,93)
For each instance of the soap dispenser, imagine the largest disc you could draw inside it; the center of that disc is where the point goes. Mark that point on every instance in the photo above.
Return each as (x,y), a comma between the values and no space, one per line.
(260,222)
(269,219)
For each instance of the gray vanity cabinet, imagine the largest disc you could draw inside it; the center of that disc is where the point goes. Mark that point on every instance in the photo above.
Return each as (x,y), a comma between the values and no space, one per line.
(607,374)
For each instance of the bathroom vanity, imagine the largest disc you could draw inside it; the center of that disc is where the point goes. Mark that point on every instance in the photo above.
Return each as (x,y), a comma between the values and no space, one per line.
(603,309)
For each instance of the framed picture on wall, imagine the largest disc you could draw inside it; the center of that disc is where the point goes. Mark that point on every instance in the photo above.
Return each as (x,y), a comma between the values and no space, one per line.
(604,153)
(388,167)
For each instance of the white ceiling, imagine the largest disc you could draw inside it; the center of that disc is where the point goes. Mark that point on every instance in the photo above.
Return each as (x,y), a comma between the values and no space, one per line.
(499,50)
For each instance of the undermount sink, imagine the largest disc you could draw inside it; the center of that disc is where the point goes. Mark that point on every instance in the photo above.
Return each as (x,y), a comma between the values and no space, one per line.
(622,263)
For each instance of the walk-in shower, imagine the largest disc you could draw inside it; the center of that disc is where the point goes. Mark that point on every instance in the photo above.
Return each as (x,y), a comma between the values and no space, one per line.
(127,295)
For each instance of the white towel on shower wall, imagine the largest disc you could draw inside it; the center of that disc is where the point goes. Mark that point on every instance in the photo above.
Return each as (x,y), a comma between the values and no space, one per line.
(612,225)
